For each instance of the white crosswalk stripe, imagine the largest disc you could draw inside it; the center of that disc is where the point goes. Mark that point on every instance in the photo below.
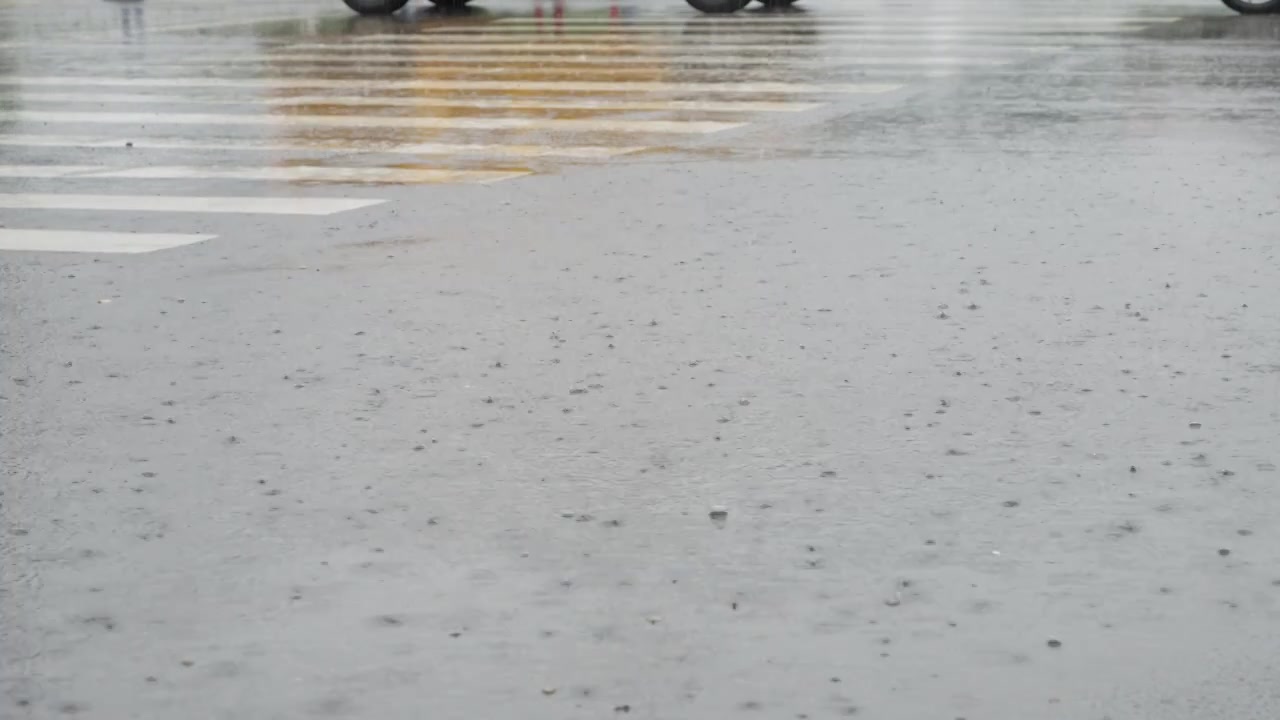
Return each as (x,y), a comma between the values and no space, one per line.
(550,103)
(631,87)
(321,125)
(100,241)
(184,203)
(340,121)
(292,173)
(352,145)
(574,62)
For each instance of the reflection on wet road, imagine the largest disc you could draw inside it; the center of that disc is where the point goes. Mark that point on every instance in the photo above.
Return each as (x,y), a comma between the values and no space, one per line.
(212,104)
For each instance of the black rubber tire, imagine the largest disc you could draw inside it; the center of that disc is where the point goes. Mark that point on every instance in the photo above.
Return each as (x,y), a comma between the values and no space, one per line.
(718,6)
(777,3)
(375,7)
(449,3)
(1253,8)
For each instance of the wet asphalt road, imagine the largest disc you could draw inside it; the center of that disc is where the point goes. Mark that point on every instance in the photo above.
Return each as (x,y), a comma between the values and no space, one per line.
(391,368)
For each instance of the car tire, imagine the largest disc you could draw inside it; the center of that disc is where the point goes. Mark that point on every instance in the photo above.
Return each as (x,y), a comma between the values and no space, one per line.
(718,6)
(449,3)
(777,3)
(1259,7)
(375,7)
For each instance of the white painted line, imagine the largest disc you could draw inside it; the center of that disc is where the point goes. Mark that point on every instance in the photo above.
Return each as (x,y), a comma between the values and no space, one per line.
(296,173)
(311,173)
(582,152)
(420,101)
(728,106)
(353,145)
(184,203)
(503,85)
(497,71)
(94,241)
(694,127)
(28,96)
(546,63)
(44,171)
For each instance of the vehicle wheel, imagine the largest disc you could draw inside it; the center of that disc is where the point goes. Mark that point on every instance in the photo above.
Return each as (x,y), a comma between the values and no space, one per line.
(449,3)
(719,6)
(777,3)
(375,7)
(1253,7)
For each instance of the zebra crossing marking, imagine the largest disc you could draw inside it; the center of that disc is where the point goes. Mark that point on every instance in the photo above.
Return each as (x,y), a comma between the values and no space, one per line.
(353,145)
(371,121)
(733,88)
(551,103)
(289,173)
(93,241)
(608,66)
(185,203)
(659,62)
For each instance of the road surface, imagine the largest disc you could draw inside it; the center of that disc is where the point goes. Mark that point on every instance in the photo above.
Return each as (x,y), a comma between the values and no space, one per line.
(892,359)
